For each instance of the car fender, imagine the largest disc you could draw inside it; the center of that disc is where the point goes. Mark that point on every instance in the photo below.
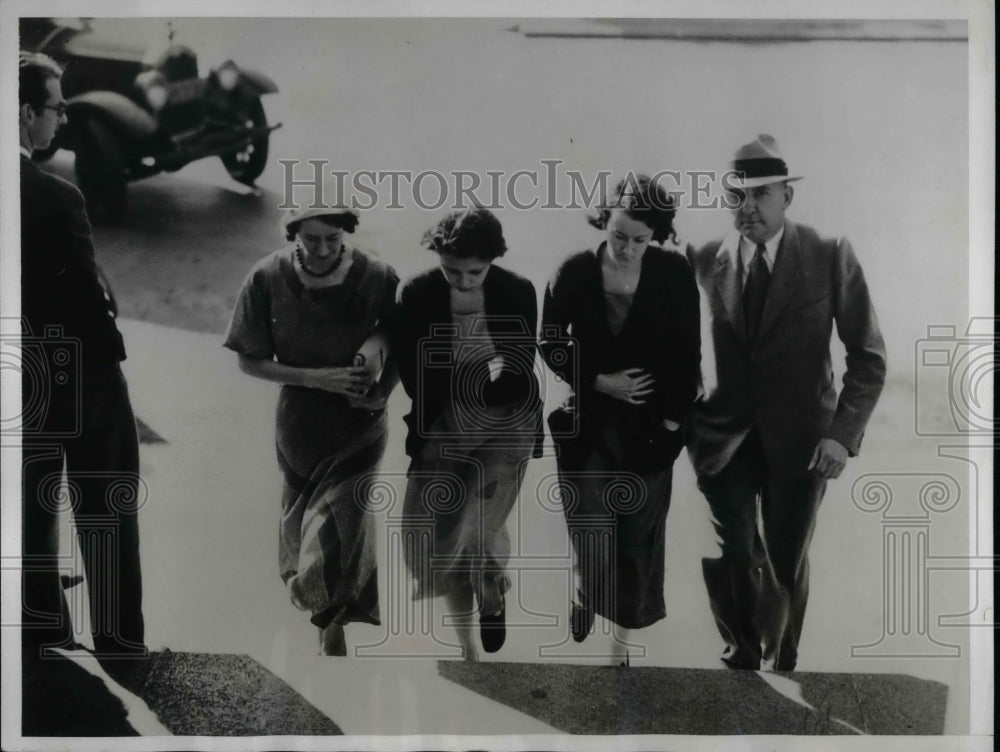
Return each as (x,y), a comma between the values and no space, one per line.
(118,109)
(257,82)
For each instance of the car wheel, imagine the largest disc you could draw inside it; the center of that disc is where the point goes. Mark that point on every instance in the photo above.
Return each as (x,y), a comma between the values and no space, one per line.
(100,172)
(246,164)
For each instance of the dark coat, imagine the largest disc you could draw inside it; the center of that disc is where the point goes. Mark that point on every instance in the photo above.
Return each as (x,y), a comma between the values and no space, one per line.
(783,385)
(61,284)
(660,335)
(424,335)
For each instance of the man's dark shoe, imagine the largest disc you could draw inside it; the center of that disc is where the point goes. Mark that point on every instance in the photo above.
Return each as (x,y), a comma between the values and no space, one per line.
(740,659)
(493,629)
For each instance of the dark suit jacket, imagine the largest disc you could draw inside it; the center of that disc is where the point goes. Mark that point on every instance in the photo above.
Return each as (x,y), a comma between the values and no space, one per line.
(424,331)
(783,385)
(660,335)
(61,284)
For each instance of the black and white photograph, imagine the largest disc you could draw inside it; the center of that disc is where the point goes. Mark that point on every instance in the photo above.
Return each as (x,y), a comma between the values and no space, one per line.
(497,376)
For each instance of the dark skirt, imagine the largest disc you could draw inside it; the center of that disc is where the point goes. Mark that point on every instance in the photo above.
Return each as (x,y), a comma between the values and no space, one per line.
(617,526)
(330,456)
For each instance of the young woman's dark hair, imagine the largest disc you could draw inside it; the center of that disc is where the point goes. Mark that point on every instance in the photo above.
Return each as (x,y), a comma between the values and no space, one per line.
(644,201)
(474,233)
(345,221)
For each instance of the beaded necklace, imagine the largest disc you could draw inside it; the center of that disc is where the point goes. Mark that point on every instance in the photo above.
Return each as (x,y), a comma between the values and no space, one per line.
(333,267)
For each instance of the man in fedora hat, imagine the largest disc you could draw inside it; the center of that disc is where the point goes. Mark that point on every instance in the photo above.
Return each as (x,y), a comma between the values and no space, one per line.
(770,429)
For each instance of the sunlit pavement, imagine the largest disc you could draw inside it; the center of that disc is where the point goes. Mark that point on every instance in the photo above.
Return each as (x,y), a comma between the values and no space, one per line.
(209,524)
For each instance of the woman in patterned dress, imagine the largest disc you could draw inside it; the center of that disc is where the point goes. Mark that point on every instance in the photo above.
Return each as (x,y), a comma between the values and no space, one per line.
(315,317)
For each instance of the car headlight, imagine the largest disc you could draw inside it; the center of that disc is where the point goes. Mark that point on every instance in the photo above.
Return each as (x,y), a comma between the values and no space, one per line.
(157,96)
(229,75)
(154,88)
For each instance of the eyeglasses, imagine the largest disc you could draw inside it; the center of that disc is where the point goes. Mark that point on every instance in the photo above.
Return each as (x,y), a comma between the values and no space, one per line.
(59,109)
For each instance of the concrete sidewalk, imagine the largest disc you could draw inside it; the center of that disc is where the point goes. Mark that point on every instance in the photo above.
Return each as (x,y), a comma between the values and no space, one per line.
(209,549)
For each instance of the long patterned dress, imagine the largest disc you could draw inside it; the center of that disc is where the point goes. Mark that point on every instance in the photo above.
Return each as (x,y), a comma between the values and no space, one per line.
(327,450)
(471,432)
(463,486)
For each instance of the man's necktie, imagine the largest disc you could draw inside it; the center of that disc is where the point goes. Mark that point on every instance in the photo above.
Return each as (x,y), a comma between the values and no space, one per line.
(755,292)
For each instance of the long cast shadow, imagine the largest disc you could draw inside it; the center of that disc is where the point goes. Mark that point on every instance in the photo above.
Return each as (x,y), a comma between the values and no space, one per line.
(191,694)
(608,700)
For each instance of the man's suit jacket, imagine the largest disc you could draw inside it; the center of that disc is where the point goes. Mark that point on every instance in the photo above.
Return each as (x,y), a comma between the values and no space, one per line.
(60,281)
(783,384)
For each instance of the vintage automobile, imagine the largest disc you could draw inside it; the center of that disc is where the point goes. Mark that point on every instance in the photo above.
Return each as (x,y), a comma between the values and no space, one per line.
(132,115)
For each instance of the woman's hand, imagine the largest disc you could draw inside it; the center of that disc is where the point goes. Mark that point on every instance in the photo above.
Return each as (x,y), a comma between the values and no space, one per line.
(632,385)
(351,381)
(374,399)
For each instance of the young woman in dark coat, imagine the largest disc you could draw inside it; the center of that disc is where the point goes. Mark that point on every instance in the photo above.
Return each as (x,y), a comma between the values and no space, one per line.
(466,344)
(620,325)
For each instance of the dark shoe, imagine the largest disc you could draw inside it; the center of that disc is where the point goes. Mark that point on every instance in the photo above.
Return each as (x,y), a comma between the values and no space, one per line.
(493,629)
(332,640)
(740,660)
(783,665)
(581,619)
(779,660)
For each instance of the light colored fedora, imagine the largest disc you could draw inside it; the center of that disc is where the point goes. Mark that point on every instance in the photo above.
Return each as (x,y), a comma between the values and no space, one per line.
(758,163)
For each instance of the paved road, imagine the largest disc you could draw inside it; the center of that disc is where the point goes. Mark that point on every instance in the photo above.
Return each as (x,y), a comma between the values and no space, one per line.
(471,96)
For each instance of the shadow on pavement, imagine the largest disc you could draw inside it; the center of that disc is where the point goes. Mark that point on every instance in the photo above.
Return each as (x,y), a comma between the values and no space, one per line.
(61,698)
(228,695)
(190,694)
(609,700)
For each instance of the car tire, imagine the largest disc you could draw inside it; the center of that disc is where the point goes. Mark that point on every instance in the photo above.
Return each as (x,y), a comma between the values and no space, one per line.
(246,165)
(100,172)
